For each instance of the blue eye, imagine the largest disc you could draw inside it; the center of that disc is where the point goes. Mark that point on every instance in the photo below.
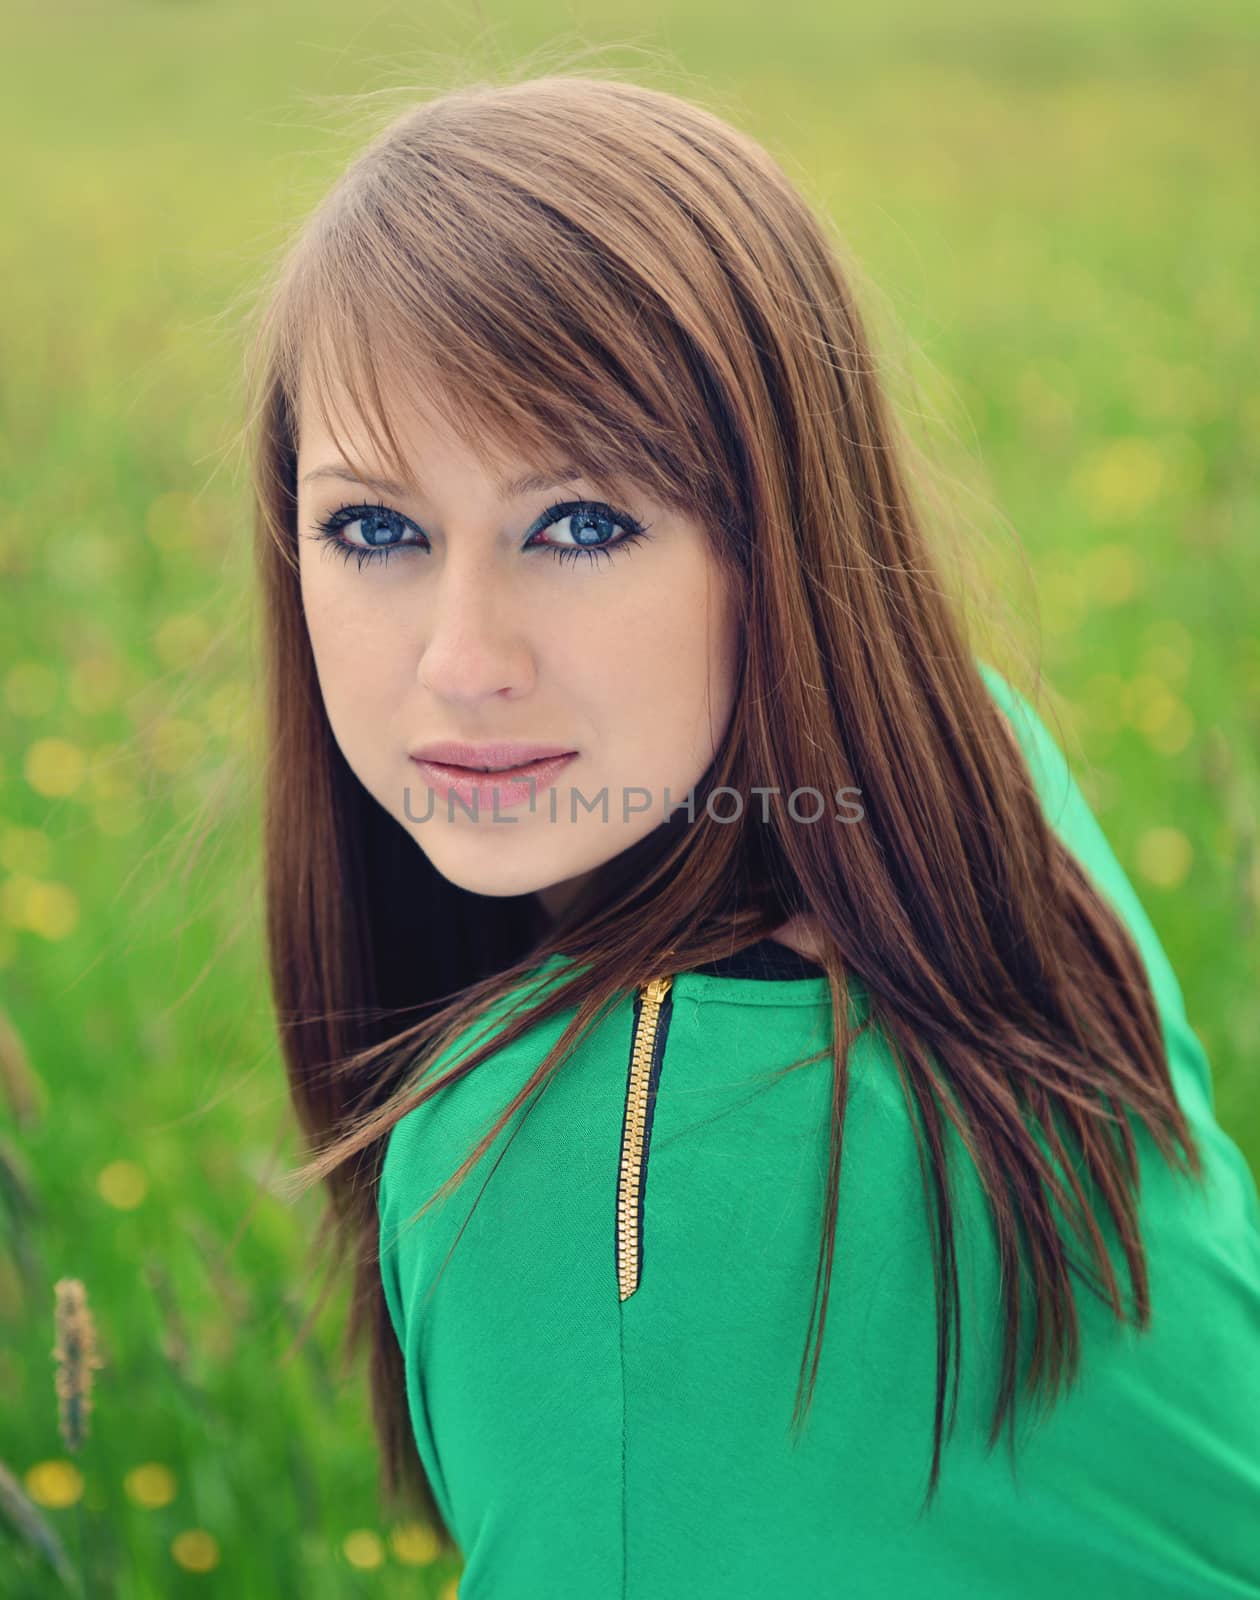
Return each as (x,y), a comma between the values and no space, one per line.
(384,529)
(379,519)
(591,517)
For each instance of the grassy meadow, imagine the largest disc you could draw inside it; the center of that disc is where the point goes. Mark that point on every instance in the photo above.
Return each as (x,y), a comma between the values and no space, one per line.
(1053,209)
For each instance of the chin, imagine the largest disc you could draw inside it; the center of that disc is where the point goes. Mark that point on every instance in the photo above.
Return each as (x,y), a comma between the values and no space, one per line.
(496,880)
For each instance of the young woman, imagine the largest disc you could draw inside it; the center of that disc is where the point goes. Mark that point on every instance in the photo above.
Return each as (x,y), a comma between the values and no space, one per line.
(644,831)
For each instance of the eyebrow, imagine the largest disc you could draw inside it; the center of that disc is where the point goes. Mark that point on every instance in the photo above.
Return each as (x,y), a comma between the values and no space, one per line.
(531,483)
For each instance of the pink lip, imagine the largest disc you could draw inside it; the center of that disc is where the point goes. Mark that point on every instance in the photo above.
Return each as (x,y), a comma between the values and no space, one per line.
(497,790)
(455,753)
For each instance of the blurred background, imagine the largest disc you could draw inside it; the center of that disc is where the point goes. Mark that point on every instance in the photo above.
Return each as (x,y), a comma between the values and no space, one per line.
(1054,208)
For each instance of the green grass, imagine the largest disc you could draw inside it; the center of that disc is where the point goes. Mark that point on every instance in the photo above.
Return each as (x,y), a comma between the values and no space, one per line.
(1056,208)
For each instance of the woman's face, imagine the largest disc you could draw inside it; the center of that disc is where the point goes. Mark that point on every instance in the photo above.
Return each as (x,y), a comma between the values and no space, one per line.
(474,629)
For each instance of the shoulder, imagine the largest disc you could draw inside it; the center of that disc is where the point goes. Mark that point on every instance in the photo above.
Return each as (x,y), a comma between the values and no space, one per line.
(428,1143)
(1047,766)
(1069,815)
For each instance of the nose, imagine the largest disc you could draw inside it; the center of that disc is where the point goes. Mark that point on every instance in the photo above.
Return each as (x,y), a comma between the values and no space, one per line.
(472,640)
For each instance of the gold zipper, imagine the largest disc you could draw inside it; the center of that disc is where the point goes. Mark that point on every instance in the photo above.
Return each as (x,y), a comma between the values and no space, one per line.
(634,1134)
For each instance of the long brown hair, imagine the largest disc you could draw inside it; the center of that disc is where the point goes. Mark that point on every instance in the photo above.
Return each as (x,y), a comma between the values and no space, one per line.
(587,269)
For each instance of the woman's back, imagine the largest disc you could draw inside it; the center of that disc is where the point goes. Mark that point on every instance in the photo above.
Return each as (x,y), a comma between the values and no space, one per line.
(602,1382)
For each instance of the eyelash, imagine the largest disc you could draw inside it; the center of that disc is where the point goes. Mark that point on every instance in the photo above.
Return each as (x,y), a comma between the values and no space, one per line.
(328,531)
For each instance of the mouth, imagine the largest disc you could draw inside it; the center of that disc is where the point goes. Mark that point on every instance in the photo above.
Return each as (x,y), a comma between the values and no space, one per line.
(504,787)
(526,770)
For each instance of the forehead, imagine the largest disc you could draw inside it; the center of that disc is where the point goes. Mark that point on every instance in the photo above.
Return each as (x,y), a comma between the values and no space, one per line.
(334,417)
(396,427)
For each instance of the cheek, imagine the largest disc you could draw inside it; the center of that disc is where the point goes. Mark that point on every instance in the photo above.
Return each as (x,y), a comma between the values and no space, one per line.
(325,627)
(358,656)
(664,670)
(728,650)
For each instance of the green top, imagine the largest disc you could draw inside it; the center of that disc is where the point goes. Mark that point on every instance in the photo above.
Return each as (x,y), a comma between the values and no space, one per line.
(582,1446)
